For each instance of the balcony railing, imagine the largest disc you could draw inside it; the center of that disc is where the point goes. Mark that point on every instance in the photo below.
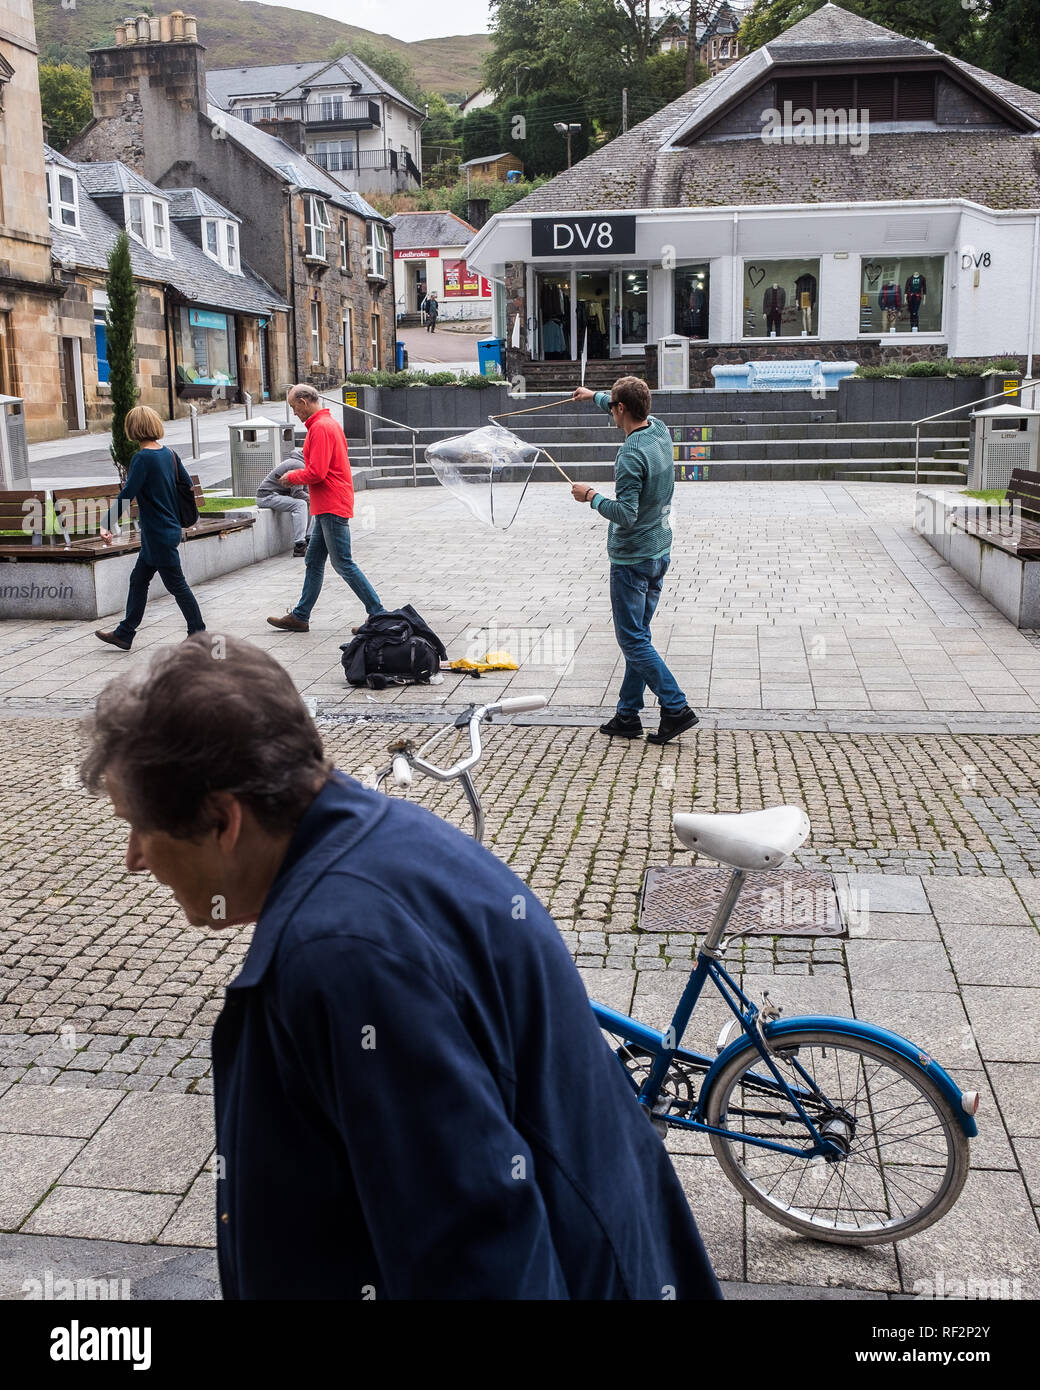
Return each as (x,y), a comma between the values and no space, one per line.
(360,113)
(338,161)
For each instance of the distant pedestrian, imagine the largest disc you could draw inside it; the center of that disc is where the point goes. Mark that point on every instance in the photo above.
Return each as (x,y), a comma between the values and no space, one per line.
(639,545)
(431,309)
(277,496)
(152,483)
(326,474)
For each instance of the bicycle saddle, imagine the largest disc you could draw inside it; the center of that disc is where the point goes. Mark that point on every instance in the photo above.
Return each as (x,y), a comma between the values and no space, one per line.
(747,840)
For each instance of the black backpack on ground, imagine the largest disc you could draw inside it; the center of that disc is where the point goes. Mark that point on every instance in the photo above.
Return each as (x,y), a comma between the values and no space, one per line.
(395,648)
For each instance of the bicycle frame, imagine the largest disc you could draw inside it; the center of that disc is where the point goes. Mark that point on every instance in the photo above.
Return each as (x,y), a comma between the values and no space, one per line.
(759,1030)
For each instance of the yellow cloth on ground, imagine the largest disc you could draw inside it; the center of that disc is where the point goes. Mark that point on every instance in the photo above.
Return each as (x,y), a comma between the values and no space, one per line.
(493,661)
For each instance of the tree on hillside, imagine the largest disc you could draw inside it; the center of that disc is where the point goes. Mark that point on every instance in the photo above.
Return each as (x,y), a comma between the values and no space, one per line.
(948,24)
(65,97)
(392,67)
(122,352)
(999,46)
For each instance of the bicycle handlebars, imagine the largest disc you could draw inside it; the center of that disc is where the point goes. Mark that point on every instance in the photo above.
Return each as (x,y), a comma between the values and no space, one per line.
(518,704)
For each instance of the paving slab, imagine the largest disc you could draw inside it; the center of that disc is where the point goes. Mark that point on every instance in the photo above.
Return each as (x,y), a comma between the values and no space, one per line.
(999,954)
(101,1214)
(894,926)
(1017,1091)
(970,900)
(57,1110)
(152,1143)
(936,1022)
(29,1165)
(614,988)
(1004,1022)
(195,1220)
(718,1210)
(884,893)
(776,1255)
(990,1235)
(795,1293)
(917,966)
(31,1266)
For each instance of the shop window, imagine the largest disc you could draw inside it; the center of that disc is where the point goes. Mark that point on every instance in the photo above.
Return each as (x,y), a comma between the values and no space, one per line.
(691,301)
(901,294)
(205,342)
(554,314)
(781,298)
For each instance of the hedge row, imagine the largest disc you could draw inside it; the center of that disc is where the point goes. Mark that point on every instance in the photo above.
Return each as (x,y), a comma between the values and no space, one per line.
(944,366)
(396,380)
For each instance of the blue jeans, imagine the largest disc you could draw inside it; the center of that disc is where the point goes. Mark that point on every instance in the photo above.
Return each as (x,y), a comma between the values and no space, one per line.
(634,592)
(330,539)
(172,576)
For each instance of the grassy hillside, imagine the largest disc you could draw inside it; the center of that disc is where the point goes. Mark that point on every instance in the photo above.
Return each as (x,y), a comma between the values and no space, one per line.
(239,34)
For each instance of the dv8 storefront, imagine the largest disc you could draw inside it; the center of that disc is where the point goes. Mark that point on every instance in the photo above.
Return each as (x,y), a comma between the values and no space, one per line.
(757,282)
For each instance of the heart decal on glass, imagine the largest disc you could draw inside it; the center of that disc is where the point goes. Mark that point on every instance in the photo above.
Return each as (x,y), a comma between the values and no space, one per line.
(756,275)
(872,270)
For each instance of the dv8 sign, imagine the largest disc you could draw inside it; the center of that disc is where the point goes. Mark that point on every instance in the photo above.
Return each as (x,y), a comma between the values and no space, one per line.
(584,236)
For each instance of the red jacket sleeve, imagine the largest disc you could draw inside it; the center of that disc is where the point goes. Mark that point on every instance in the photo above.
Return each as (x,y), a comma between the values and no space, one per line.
(317,457)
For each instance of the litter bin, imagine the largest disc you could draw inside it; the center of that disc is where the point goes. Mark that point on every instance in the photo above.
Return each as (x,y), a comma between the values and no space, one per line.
(489,355)
(402,356)
(14,452)
(257,445)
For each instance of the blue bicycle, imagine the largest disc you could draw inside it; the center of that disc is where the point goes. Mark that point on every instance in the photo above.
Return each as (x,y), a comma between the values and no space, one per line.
(840,1130)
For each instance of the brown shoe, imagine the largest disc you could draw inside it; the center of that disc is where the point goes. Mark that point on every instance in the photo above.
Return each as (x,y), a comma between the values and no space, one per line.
(290,623)
(113,640)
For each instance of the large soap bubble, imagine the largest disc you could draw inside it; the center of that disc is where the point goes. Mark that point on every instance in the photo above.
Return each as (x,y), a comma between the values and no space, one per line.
(487,470)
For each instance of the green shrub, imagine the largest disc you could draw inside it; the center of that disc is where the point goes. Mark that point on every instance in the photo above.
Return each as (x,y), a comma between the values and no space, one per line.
(441,379)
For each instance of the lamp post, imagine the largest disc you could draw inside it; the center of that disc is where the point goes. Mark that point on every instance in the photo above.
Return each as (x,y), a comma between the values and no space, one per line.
(566,128)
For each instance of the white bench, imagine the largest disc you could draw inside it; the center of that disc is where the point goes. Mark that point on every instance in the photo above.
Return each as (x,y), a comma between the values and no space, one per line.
(781,375)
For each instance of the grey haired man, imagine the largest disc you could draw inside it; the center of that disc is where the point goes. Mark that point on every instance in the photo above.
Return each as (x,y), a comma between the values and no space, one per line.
(277,496)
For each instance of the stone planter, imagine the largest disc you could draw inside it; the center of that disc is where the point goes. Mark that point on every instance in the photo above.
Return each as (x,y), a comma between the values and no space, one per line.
(1010,584)
(911,397)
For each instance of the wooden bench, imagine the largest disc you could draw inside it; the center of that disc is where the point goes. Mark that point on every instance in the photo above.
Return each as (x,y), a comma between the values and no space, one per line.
(1014,529)
(83,511)
(25,518)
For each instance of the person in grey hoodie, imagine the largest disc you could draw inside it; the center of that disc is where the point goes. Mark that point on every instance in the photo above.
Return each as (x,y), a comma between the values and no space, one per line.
(280,497)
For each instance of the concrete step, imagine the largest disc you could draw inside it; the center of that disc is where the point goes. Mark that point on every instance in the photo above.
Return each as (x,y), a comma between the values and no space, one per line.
(901,475)
(951,452)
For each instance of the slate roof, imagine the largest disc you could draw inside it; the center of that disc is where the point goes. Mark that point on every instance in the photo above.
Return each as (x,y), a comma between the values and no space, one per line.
(52,156)
(188,204)
(287,81)
(997,168)
(289,164)
(415,229)
(189,270)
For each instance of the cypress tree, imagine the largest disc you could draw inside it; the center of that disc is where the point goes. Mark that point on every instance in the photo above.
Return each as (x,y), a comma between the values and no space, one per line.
(119,323)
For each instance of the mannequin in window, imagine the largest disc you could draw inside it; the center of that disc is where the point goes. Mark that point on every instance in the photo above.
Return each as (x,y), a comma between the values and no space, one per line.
(890,300)
(773,302)
(553,342)
(698,311)
(915,289)
(805,290)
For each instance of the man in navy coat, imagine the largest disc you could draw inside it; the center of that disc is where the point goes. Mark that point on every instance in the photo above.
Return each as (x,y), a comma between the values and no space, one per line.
(413,1100)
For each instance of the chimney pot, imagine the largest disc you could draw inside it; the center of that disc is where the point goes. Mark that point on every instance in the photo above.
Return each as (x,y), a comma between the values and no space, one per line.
(177,20)
(165,29)
(142,28)
(153,29)
(191,30)
(120,35)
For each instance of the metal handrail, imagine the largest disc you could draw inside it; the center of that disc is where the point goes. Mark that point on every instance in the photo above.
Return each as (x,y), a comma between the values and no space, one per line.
(966,405)
(371,414)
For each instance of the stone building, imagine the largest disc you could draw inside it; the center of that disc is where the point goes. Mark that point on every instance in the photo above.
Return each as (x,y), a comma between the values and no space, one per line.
(207,329)
(320,246)
(30,364)
(843,193)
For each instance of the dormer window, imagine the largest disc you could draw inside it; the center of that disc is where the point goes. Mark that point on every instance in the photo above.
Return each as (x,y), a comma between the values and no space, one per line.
(62,198)
(146,221)
(220,242)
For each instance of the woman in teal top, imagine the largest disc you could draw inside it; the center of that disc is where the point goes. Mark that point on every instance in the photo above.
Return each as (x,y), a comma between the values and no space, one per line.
(152,484)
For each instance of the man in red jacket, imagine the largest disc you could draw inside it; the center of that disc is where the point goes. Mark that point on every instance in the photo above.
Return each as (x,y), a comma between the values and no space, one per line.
(326,474)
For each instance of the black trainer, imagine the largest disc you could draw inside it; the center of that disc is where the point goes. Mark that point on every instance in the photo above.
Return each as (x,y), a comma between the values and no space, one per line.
(672,725)
(299,549)
(623,726)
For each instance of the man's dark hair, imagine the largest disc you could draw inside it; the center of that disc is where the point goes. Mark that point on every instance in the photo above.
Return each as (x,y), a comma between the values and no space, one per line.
(634,395)
(214,714)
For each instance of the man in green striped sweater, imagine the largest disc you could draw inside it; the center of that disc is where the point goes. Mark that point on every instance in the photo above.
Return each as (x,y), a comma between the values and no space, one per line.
(639,541)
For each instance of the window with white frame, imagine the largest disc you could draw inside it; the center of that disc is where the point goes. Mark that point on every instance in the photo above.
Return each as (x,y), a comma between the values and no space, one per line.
(147,222)
(317,224)
(62,199)
(211,239)
(377,250)
(315,332)
(344,245)
(220,243)
(231,246)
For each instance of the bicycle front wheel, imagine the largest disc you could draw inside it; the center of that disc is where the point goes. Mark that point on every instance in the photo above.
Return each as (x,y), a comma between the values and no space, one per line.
(904,1154)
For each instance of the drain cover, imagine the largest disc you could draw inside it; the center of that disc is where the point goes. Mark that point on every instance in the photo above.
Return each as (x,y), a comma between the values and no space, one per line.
(783,902)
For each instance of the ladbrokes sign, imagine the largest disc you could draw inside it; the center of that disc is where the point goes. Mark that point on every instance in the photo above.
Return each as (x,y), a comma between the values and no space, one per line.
(583,236)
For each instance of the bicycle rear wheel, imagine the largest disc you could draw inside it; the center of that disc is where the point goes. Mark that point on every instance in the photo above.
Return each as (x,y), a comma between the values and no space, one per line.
(905,1155)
